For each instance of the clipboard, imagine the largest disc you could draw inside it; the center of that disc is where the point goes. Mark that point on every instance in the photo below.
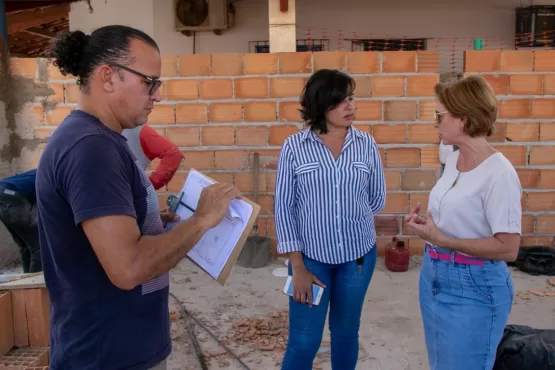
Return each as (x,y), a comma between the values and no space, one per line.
(217,251)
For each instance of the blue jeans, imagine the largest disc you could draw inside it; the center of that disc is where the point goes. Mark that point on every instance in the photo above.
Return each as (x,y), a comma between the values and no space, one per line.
(345,294)
(464,310)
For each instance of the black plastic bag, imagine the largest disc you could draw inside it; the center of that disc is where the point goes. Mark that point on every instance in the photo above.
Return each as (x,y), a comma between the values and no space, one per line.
(525,348)
(536,260)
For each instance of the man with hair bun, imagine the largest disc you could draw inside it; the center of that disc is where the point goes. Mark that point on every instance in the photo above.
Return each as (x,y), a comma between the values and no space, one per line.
(105,254)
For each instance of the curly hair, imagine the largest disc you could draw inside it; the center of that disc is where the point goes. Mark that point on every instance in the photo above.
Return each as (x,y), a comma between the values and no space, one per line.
(323,91)
(78,54)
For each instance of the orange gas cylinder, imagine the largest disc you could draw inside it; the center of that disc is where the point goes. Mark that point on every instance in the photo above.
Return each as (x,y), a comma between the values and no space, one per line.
(397,256)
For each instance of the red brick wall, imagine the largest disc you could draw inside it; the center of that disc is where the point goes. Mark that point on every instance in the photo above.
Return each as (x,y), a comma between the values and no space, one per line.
(525,85)
(221,108)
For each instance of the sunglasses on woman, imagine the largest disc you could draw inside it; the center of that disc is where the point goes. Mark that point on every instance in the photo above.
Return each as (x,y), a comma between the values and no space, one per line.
(438,115)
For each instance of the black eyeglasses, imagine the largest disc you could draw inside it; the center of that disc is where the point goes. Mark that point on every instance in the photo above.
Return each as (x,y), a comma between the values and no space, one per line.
(153,82)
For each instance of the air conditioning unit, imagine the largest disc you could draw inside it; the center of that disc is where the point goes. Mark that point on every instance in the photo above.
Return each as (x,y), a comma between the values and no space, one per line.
(535,26)
(201,15)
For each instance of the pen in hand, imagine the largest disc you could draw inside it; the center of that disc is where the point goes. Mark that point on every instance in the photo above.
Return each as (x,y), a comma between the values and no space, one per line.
(193,210)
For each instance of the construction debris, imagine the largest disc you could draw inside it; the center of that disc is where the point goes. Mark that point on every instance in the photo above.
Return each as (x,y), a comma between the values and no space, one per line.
(264,334)
(537,293)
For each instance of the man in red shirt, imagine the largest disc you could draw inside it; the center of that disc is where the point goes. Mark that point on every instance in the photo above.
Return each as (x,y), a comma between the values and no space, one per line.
(146,144)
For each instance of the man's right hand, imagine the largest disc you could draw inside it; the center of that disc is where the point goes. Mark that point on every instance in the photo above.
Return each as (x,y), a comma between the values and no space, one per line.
(214,202)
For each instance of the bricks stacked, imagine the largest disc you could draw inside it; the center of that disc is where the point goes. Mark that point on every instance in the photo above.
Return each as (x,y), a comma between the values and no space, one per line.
(221,108)
(24,319)
(524,81)
(30,358)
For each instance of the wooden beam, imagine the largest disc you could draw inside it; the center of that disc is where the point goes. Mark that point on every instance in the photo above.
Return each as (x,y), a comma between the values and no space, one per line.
(40,32)
(13,43)
(28,19)
(18,5)
(283,5)
(36,48)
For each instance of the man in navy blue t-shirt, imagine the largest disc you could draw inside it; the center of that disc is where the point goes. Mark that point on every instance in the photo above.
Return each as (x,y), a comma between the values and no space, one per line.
(105,254)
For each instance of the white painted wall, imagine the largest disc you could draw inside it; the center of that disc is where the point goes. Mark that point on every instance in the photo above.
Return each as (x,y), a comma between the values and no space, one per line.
(107,12)
(251,23)
(451,23)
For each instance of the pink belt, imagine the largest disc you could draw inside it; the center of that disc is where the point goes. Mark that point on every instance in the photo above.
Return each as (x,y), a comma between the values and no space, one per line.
(453,257)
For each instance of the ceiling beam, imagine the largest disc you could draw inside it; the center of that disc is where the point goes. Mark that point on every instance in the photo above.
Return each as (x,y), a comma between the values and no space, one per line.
(40,32)
(37,47)
(18,5)
(26,43)
(28,19)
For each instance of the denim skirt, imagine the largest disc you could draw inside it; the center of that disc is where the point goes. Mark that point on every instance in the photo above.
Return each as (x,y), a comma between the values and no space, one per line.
(464,311)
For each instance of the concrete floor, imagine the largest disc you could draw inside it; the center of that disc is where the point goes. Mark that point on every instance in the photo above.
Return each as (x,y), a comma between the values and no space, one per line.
(391,335)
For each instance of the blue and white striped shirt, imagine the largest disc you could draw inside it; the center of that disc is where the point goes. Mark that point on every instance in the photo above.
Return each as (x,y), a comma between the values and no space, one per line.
(325,208)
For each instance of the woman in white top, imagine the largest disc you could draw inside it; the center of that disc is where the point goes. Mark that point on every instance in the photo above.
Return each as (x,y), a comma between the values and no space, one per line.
(472,228)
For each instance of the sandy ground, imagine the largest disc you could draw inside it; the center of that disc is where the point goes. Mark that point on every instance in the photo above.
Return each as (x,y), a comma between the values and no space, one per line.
(391,336)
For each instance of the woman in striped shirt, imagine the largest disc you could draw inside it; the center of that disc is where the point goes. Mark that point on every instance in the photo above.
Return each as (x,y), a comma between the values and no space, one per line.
(329,186)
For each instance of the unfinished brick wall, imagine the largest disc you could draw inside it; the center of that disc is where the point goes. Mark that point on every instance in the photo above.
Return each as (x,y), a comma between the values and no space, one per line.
(19,149)
(221,108)
(524,81)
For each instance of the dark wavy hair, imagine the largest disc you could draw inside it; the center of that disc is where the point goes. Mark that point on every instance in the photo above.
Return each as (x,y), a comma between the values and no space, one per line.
(324,90)
(78,54)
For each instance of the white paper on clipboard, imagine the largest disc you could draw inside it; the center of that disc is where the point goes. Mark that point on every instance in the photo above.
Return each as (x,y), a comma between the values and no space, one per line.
(214,249)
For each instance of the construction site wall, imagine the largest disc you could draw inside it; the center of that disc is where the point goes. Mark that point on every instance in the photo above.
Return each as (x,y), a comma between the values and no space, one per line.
(221,108)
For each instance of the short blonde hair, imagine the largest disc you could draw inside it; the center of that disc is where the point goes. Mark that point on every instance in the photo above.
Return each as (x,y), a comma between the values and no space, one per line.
(473,100)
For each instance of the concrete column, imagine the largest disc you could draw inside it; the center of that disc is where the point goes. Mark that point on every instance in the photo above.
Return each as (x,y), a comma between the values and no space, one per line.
(283,36)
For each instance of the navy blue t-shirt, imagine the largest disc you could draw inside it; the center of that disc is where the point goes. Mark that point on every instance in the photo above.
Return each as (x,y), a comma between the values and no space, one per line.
(23,183)
(88,171)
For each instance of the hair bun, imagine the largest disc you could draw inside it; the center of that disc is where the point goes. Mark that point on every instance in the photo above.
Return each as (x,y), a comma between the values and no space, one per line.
(68,50)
